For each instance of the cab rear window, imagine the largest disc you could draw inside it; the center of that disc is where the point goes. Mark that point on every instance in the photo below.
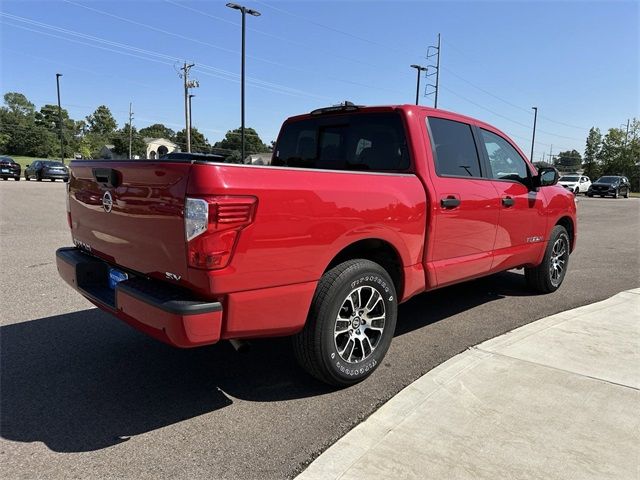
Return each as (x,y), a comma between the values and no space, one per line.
(365,141)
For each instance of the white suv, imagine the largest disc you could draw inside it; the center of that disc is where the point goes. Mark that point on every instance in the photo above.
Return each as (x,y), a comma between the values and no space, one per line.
(576,183)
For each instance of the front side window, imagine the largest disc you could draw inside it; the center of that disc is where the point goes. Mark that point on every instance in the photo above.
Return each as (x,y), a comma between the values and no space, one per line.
(454,148)
(504,160)
(363,141)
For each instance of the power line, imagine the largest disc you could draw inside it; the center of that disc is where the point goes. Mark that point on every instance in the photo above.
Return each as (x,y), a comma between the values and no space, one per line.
(276,88)
(466,55)
(218,47)
(330,28)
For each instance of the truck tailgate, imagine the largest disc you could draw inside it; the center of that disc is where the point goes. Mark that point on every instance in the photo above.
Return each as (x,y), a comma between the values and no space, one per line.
(131,213)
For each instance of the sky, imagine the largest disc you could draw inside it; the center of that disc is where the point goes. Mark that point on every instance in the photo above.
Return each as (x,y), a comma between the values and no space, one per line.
(578,62)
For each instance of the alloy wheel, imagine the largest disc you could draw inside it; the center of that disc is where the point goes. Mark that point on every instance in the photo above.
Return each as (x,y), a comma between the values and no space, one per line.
(559,257)
(359,324)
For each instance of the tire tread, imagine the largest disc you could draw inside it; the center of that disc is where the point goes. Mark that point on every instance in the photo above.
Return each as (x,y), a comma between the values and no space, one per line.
(307,343)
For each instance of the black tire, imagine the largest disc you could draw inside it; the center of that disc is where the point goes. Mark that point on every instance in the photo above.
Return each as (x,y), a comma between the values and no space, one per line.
(616,194)
(52,179)
(26,177)
(626,193)
(317,346)
(590,195)
(541,278)
(5,178)
(65,180)
(17,179)
(38,177)
(576,191)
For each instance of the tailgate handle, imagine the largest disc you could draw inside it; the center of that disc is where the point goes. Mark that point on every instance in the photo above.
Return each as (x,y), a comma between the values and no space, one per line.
(108,177)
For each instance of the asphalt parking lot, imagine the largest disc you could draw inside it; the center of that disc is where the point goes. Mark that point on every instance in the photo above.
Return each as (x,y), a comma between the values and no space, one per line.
(82,395)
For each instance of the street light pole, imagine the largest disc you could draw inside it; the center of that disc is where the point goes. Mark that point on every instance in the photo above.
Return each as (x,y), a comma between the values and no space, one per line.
(255,13)
(419,69)
(58,75)
(533,139)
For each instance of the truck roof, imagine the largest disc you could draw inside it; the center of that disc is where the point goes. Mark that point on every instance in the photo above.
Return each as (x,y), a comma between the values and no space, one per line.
(347,108)
(350,108)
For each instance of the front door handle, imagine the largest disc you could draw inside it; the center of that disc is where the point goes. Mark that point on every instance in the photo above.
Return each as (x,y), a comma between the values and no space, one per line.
(449,202)
(508,202)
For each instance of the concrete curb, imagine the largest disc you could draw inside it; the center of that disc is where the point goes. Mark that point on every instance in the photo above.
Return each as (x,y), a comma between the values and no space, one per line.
(591,349)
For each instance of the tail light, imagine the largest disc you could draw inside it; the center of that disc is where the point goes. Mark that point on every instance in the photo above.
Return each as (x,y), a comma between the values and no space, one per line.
(212,226)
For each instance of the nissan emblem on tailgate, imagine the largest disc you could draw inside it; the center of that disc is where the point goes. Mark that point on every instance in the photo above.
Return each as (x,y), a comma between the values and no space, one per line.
(107,202)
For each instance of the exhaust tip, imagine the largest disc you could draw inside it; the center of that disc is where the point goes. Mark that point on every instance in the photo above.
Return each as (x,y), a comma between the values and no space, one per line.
(240,346)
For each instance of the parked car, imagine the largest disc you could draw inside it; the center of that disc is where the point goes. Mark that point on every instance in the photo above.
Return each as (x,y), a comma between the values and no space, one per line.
(9,168)
(575,183)
(362,208)
(46,169)
(610,185)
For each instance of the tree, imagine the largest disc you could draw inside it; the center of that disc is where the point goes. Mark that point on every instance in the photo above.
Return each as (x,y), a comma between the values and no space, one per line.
(40,142)
(158,130)
(199,143)
(121,142)
(592,153)
(19,105)
(16,122)
(49,119)
(569,161)
(232,141)
(101,121)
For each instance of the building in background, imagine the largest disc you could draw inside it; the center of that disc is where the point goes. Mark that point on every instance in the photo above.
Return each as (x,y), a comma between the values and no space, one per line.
(155,148)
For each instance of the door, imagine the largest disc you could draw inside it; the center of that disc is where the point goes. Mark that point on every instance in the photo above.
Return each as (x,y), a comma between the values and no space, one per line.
(522,222)
(465,211)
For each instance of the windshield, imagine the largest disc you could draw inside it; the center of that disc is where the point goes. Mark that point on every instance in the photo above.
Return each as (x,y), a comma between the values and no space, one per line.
(607,180)
(53,164)
(568,179)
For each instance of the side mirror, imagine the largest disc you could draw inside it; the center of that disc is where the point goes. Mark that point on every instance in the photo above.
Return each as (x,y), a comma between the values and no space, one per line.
(28,165)
(546,177)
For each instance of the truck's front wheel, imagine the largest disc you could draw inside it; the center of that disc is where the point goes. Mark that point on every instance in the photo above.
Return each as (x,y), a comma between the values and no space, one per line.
(350,325)
(548,276)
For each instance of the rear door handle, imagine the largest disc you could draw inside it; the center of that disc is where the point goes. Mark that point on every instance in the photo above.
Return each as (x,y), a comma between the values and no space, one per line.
(449,202)
(508,201)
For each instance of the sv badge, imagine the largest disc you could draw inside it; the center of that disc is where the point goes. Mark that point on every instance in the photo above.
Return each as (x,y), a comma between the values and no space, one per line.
(172,276)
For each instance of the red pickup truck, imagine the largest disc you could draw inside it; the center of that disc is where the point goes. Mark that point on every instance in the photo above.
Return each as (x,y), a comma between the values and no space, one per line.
(360,209)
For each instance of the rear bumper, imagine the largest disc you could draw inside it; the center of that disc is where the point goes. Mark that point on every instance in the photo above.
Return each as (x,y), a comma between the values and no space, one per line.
(164,312)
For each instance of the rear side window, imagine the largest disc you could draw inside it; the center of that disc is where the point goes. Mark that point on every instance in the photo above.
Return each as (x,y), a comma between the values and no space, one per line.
(454,148)
(367,141)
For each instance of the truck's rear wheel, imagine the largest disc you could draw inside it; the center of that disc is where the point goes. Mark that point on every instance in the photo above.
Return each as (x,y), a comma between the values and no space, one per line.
(548,276)
(350,325)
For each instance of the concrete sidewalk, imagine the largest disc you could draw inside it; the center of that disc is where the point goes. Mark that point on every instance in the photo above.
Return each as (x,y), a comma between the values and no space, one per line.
(556,399)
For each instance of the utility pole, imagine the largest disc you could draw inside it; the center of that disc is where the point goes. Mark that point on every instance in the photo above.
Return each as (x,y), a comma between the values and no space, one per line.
(533,138)
(191,95)
(626,137)
(187,85)
(419,69)
(434,53)
(58,75)
(551,154)
(130,129)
